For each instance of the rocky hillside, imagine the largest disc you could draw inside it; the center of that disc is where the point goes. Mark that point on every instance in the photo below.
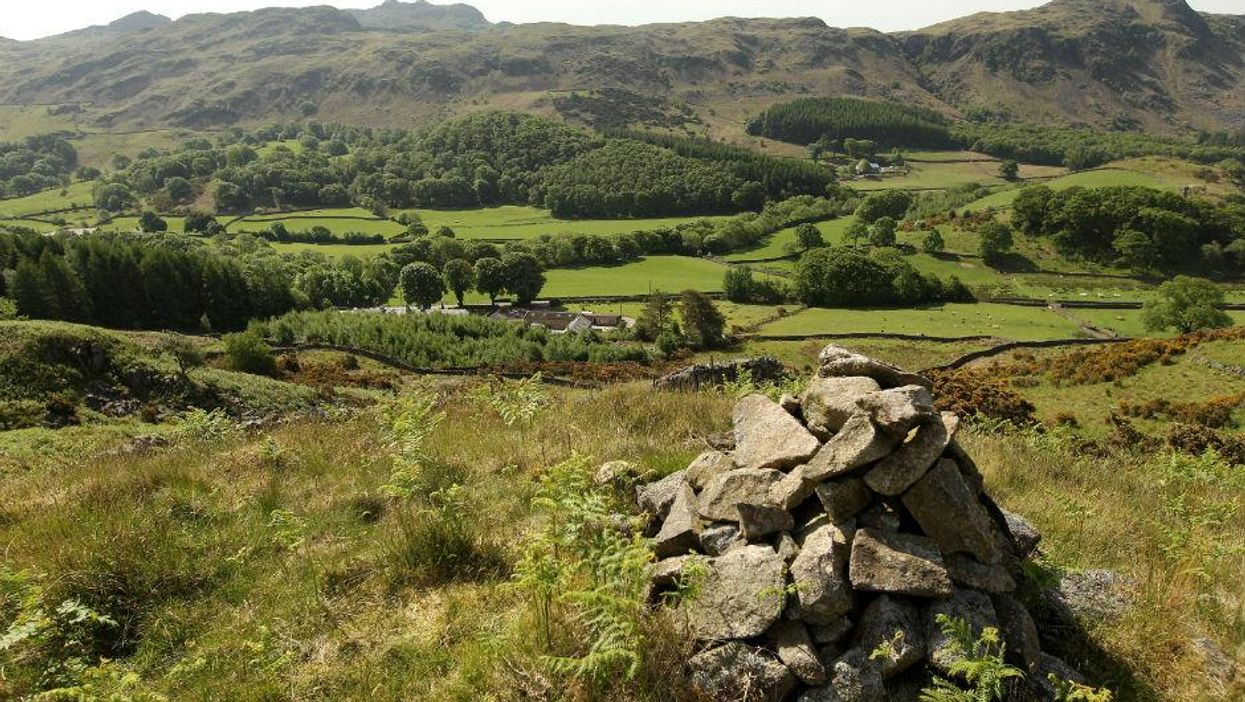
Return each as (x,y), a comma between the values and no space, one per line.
(1151,63)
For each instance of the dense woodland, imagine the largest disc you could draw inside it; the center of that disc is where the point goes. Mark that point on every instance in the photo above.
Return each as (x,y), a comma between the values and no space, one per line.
(1144,229)
(483,159)
(38,163)
(887,124)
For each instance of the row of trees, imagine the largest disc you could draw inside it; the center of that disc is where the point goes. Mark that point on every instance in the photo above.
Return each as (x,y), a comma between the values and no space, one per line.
(1145,229)
(1081,148)
(176,283)
(517,272)
(853,277)
(690,321)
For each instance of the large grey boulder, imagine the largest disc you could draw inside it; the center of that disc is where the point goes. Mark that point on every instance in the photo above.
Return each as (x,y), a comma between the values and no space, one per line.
(795,649)
(950,514)
(829,402)
(899,410)
(836,361)
(759,521)
(897,624)
(909,463)
(741,595)
(822,591)
(736,672)
(655,498)
(793,489)
(853,678)
(968,571)
(843,499)
(1024,536)
(1020,634)
(857,444)
(680,532)
(971,606)
(902,564)
(721,498)
(1094,595)
(717,539)
(767,436)
(707,466)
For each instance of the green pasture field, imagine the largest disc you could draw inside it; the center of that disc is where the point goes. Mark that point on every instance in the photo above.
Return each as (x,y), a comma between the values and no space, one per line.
(802,355)
(943,174)
(950,320)
(1231,352)
(1100,178)
(666,273)
(333,250)
(97,148)
(737,315)
(28,224)
(339,227)
(76,195)
(777,244)
(292,144)
(130,224)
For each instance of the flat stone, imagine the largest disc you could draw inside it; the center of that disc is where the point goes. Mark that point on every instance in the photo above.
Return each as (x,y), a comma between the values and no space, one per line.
(829,402)
(899,410)
(970,606)
(1025,537)
(721,673)
(680,533)
(909,463)
(1020,634)
(836,361)
(720,500)
(707,466)
(759,521)
(655,498)
(822,592)
(768,437)
(795,649)
(843,499)
(897,624)
(968,571)
(741,595)
(717,539)
(857,444)
(898,563)
(950,514)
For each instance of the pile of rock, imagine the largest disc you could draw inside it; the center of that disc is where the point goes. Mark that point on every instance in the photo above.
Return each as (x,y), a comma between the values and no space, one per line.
(838,522)
(707,375)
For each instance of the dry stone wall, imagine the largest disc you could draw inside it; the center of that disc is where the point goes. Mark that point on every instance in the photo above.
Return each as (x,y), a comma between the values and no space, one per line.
(833,523)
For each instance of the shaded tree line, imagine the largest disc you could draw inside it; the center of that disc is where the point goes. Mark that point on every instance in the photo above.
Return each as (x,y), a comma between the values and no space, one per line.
(34,164)
(852,277)
(832,120)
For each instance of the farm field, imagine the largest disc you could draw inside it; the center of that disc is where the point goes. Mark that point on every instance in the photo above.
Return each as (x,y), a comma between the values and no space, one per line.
(776,246)
(1098,178)
(130,224)
(76,195)
(949,320)
(943,174)
(802,354)
(492,223)
(333,250)
(666,273)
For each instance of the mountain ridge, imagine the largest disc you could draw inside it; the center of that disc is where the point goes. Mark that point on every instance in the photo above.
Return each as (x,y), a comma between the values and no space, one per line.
(1156,64)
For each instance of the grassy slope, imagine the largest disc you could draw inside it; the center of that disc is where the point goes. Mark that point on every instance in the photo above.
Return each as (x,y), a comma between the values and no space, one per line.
(76,195)
(952,320)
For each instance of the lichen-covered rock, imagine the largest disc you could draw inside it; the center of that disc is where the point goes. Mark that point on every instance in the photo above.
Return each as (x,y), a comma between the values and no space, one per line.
(759,521)
(717,539)
(909,463)
(707,466)
(1020,634)
(968,571)
(970,606)
(1024,536)
(857,444)
(720,500)
(724,673)
(680,532)
(853,678)
(822,591)
(950,514)
(843,499)
(899,410)
(767,436)
(836,361)
(829,402)
(896,625)
(616,473)
(741,595)
(795,649)
(655,498)
(895,563)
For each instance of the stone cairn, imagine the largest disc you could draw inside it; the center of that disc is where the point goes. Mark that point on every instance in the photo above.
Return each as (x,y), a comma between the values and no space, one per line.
(832,524)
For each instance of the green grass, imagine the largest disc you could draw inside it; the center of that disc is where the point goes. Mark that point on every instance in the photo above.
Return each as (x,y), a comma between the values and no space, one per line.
(21,121)
(334,250)
(27,223)
(951,320)
(292,144)
(76,195)
(802,355)
(130,224)
(779,243)
(1100,178)
(98,148)
(945,173)
(667,273)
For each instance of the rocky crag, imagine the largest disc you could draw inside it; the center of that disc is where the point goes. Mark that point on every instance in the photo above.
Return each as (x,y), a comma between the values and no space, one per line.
(839,523)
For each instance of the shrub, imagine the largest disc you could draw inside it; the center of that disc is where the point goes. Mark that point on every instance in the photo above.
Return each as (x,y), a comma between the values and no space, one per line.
(247,352)
(971,393)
